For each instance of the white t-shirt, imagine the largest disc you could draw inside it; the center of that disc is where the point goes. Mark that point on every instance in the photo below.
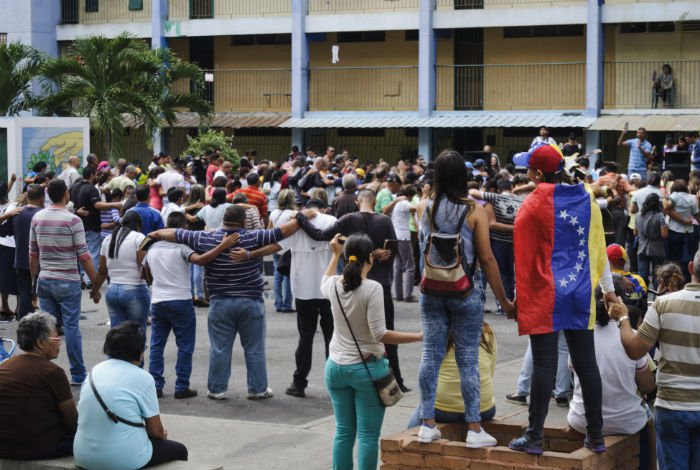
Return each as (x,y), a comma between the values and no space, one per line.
(170,179)
(309,259)
(168,209)
(212,216)
(170,268)
(400,217)
(8,241)
(272,195)
(622,408)
(70,175)
(123,269)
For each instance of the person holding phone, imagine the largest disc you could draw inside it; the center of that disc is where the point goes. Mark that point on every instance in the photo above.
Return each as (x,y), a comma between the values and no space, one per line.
(640,151)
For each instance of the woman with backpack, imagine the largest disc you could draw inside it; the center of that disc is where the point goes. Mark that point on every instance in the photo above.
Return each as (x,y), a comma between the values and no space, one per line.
(652,231)
(457,234)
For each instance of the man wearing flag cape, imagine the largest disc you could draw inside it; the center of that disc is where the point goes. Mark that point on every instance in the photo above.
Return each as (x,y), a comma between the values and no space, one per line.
(560,258)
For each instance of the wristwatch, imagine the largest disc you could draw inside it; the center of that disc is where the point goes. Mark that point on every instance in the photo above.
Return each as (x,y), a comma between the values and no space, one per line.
(621,319)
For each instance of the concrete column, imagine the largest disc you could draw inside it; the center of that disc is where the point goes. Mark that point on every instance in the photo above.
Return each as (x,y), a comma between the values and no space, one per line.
(298,139)
(595,52)
(159,12)
(593,141)
(426,59)
(425,143)
(300,59)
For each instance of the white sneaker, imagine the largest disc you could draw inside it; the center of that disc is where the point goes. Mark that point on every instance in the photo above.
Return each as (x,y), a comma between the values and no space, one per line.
(216,396)
(259,396)
(427,434)
(480,439)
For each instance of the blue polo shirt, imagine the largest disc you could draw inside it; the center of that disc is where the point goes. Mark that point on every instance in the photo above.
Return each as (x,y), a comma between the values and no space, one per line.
(150,218)
(638,162)
(226,277)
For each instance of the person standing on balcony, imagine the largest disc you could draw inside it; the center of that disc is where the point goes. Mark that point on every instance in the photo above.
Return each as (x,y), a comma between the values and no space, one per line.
(543,137)
(640,151)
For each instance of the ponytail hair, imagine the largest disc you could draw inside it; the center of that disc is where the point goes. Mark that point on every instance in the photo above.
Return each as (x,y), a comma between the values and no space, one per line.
(357,251)
(130,222)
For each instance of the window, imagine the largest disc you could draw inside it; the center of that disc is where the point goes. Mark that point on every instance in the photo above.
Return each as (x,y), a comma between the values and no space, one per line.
(135,5)
(657,27)
(3,39)
(92,6)
(262,132)
(411,35)
(411,132)
(562,30)
(360,132)
(662,27)
(201,9)
(362,36)
(261,39)
(691,26)
(69,11)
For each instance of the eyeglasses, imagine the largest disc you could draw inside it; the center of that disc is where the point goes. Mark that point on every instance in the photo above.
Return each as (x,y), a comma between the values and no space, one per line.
(55,338)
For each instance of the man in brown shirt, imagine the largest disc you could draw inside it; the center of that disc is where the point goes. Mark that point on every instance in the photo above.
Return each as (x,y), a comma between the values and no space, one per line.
(346,202)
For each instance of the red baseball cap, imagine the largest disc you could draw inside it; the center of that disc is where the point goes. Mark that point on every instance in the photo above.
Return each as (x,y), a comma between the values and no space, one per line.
(616,253)
(542,156)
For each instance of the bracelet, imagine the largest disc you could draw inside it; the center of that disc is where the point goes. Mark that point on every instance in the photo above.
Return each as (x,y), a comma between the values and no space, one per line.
(621,319)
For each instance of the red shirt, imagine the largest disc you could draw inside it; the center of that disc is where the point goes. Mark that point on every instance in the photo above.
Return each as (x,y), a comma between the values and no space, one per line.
(211,169)
(255,198)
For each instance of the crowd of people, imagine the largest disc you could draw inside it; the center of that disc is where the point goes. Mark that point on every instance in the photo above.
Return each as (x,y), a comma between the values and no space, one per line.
(583,249)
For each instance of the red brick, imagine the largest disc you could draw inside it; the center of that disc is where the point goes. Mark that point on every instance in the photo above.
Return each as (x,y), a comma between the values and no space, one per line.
(389,467)
(388,444)
(560,460)
(493,466)
(454,431)
(407,458)
(459,449)
(391,457)
(497,427)
(564,432)
(454,463)
(411,444)
(563,445)
(433,462)
(504,454)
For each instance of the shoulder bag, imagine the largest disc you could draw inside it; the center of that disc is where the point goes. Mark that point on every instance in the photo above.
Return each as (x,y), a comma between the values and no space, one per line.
(111,414)
(387,388)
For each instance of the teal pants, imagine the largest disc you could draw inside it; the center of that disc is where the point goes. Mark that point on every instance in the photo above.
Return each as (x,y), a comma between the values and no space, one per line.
(358,412)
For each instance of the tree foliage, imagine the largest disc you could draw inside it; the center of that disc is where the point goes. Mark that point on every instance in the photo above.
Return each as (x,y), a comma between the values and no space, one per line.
(211,140)
(19,63)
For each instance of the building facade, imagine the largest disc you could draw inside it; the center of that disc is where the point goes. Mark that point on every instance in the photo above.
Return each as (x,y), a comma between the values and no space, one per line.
(393,78)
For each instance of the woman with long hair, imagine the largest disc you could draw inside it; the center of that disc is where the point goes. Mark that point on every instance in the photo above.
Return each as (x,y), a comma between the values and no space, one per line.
(272,187)
(684,215)
(196,200)
(448,204)
(285,205)
(652,232)
(128,297)
(213,214)
(358,310)
(155,200)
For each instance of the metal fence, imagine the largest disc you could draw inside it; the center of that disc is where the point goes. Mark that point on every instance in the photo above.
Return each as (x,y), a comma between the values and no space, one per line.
(360,6)
(479,4)
(511,86)
(631,84)
(198,9)
(105,11)
(363,88)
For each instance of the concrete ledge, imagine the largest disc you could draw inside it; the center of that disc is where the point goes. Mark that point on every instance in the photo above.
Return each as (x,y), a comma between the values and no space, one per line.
(68,463)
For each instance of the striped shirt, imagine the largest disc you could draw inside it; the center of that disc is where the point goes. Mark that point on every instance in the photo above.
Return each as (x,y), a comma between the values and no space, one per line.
(255,198)
(225,277)
(107,217)
(674,321)
(57,238)
(505,207)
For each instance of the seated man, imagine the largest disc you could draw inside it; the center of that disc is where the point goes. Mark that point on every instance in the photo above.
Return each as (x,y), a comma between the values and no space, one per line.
(37,408)
(636,293)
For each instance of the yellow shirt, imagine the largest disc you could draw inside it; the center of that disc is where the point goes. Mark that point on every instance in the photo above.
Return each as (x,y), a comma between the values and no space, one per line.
(449,390)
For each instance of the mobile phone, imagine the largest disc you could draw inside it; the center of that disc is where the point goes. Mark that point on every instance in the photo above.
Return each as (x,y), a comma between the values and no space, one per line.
(341,239)
(391,245)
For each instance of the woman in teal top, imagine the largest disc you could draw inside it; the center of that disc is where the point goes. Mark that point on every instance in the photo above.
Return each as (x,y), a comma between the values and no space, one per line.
(130,393)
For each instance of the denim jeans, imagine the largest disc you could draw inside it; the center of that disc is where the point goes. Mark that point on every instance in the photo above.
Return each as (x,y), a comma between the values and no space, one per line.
(127,302)
(404,270)
(281,287)
(564,374)
(308,313)
(464,317)
(196,284)
(392,350)
(681,249)
(94,243)
(677,439)
(178,316)
(544,358)
(448,416)
(62,300)
(647,266)
(24,292)
(229,316)
(503,252)
(358,412)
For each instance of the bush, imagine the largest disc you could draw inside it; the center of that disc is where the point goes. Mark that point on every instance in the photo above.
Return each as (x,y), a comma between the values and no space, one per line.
(211,140)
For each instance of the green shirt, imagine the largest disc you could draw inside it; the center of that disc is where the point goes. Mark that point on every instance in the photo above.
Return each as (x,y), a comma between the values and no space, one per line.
(384,198)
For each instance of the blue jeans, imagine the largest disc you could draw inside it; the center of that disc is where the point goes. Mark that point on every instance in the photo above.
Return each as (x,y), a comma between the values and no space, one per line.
(503,252)
(464,317)
(229,316)
(677,439)
(176,315)
(647,266)
(448,416)
(358,412)
(281,287)
(127,302)
(196,284)
(94,243)
(564,374)
(62,300)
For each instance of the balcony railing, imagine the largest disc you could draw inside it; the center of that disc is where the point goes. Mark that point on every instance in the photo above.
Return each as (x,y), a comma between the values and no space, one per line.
(630,84)
(363,88)
(105,11)
(479,4)
(360,6)
(200,9)
(511,86)
(246,90)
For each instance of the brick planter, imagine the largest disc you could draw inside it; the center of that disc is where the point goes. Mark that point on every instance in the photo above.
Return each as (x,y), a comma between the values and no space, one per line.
(563,450)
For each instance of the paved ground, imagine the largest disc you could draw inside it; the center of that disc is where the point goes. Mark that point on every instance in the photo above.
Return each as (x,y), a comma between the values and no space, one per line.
(285,432)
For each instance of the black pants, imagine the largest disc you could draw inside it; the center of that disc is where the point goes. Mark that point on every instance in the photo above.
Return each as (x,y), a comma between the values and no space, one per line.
(392,350)
(308,312)
(24,289)
(416,257)
(544,360)
(166,451)
(620,220)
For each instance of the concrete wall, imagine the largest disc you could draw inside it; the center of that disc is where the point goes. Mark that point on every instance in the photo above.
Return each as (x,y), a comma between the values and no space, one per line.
(31,22)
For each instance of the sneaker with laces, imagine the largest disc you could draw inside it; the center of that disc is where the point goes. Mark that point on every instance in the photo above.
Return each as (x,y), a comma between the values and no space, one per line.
(216,396)
(525,444)
(479,439)
(187,393)
(595,445)
(427,434)
(562,402)
(260,396)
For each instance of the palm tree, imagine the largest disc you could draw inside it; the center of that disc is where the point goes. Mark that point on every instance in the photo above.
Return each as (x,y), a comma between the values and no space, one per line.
(106,79)
(19,63)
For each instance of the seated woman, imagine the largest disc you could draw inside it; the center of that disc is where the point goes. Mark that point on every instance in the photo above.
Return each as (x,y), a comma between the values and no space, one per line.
(137,438)
(36,404)
(624,411)
(449,404)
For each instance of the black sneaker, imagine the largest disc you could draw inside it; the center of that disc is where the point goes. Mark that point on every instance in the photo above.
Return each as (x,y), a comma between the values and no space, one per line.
(187,393)
(517,399)
(295,391)
(525,444)
(562,402)
(595,445)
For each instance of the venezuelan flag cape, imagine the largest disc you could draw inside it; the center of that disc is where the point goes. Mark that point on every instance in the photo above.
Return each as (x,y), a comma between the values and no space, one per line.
(559,247)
